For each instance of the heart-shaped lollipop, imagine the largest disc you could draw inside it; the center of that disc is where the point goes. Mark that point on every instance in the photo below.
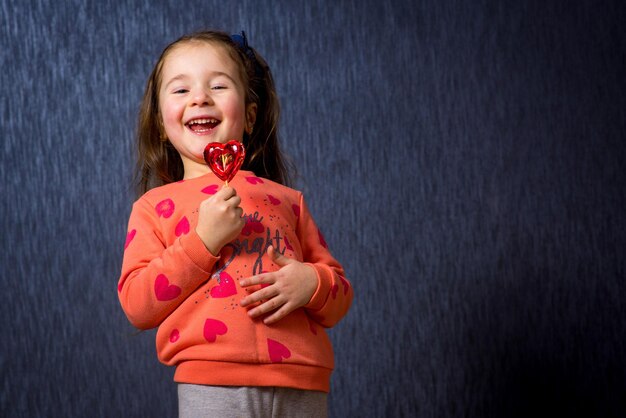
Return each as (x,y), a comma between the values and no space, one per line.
(225,159)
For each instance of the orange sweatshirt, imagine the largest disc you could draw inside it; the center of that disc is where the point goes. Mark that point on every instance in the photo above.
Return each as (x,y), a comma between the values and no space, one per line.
(170,280)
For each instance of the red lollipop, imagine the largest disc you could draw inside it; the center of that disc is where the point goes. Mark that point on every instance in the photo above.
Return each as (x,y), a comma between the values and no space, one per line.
(225,159)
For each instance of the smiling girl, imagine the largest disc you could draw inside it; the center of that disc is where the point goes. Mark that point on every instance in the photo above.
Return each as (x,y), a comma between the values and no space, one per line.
(239,279)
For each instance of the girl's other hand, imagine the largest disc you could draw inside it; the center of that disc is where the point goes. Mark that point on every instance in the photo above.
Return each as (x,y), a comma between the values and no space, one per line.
(286,290)
(220,219)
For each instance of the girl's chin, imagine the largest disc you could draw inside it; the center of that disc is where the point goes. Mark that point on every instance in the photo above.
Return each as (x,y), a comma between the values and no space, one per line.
(223,140)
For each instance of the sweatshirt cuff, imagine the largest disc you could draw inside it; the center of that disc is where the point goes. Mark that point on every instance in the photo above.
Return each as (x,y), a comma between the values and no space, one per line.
(197,252)
(324,284)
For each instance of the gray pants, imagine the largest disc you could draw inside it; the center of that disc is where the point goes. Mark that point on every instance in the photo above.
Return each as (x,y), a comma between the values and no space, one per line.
(198,401)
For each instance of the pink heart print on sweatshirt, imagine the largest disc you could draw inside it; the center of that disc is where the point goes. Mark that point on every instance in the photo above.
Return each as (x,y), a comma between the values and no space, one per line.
(129,238)
(225,286)
(335,288)
(274,201)
(277,351)
(252,226)
(165,208)
(165,291)
(287,243)
(254,180)
(182,227)
(212,189)
(346,285)
(213,328)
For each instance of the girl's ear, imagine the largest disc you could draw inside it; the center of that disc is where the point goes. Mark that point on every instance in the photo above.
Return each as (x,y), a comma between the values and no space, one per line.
(250,117)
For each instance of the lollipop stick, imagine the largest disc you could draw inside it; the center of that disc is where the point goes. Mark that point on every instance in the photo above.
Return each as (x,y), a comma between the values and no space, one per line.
(224,167)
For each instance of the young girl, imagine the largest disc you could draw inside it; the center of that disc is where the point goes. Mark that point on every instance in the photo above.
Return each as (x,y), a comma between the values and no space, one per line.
(238,279)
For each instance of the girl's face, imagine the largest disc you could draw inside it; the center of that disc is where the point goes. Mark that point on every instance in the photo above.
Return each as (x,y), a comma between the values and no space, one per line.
(202,100)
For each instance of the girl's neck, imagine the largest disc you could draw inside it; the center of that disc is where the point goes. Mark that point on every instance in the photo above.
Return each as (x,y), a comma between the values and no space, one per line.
(194,170)
(199,171)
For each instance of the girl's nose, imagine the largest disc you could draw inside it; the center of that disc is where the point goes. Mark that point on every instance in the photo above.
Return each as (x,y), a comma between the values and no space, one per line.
(201,98)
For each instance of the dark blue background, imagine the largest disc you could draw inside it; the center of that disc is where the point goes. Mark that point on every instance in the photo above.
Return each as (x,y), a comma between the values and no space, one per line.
(465,160)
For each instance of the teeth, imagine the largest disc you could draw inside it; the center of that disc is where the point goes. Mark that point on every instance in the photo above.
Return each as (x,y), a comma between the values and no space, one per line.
(201,121)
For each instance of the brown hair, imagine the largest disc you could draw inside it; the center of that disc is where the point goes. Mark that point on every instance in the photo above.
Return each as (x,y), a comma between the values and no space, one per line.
(159,163)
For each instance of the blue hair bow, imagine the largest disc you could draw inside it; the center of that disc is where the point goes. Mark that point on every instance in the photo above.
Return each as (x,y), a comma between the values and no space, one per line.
(242,43)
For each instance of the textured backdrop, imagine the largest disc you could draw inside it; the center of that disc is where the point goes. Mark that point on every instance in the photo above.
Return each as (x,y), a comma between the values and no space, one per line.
(465,160)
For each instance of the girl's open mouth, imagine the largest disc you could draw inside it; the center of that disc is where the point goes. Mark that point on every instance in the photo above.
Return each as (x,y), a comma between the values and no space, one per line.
(200,126)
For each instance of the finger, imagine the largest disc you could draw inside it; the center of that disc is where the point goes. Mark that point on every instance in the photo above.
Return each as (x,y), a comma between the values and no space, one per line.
(263,278)
(278,315)
(253,299)
(260,295)
(234,201)
(277,257)
(267,306)
(226,192)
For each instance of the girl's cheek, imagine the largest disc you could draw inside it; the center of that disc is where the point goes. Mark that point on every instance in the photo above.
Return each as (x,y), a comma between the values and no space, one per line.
(237,112)
(171,112)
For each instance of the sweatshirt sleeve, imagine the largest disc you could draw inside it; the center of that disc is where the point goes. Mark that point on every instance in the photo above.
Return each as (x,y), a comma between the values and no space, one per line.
(157,278)
(334,294)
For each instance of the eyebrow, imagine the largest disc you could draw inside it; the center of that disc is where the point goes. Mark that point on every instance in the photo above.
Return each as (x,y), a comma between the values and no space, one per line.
(213,74)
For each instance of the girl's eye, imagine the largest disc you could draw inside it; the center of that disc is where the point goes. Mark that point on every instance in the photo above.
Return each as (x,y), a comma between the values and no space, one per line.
(218,87)
(180,91)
